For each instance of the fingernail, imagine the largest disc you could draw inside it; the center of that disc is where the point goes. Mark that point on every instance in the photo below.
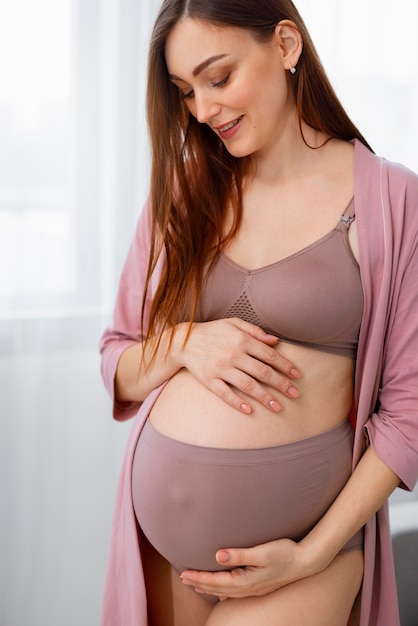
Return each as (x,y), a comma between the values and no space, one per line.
(274,405)
(185,581)
(245,408)
(222,556)
(292,391)
(295,373)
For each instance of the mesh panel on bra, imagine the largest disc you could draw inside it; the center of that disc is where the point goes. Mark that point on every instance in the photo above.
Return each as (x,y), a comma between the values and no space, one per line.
(242,308)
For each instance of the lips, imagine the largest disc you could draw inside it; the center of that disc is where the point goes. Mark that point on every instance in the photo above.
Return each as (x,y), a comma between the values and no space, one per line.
(227,130)
(223,129)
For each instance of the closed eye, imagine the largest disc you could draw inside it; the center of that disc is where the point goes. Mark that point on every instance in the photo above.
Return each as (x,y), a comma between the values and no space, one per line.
(189,94)
(222,83)
(185,96)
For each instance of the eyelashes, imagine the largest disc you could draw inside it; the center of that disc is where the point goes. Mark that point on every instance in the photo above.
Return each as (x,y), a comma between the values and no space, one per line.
(221,83)
(218,84)
(185,96)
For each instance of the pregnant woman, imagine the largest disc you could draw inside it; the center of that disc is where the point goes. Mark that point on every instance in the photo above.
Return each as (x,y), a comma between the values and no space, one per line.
(265,336)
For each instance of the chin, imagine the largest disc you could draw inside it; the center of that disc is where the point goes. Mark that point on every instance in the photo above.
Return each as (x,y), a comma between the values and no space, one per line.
(239,152)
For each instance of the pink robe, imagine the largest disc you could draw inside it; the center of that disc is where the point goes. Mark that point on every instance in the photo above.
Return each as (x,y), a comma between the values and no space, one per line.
(386,389)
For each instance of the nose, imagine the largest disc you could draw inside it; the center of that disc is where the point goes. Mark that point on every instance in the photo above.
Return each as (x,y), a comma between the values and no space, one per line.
(207,108)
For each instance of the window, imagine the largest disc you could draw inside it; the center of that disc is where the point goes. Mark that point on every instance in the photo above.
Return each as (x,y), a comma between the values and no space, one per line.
(72,155)
(37,227)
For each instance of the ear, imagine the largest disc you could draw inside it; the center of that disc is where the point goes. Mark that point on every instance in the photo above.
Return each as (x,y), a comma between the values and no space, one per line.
(290,42)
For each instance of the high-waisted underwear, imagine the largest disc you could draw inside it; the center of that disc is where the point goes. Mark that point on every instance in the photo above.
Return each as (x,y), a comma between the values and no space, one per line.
(190,500)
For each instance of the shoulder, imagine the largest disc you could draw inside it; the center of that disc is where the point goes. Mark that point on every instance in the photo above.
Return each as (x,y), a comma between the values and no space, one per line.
(370,164)
(402,182)
(386,201)
(379,182)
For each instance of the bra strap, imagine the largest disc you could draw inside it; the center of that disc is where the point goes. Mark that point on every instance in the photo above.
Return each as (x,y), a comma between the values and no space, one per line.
(349,214)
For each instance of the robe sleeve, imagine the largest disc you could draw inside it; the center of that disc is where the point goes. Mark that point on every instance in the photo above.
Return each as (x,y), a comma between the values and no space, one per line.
(125,329)
(393,428)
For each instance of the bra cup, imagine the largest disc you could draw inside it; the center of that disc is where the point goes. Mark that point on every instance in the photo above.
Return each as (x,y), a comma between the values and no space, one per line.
(323,279)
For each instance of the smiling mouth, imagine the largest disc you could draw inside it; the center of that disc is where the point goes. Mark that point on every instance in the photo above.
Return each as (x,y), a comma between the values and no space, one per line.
(223,129)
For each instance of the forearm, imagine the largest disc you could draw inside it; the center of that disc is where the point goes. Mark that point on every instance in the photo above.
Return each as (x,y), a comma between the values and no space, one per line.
(367,490)
(137,373)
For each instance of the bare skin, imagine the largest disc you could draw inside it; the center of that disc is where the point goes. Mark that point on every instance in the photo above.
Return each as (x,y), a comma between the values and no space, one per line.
(231,385)
(170,603)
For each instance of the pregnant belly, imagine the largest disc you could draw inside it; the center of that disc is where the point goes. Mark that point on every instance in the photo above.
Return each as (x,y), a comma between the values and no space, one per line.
(188,411)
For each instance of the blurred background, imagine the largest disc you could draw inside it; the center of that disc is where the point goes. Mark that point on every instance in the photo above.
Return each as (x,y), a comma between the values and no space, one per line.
(73,177)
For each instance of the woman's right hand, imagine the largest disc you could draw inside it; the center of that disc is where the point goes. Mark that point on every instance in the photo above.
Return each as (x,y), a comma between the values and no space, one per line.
(230,356)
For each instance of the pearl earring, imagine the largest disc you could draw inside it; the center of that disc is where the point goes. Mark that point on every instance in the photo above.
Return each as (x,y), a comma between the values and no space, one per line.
(292,69)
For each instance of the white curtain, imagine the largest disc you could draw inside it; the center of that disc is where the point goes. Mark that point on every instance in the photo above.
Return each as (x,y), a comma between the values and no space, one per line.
(73,176)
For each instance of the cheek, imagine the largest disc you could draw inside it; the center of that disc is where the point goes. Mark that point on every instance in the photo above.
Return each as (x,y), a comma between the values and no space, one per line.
(261,94)
(190,106)
(274,102)
(244,97)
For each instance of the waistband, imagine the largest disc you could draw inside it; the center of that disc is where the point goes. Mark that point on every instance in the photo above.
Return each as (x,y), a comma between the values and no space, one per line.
(230,456)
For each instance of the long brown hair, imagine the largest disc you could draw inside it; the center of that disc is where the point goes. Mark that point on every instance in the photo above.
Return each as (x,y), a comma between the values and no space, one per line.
(194,179)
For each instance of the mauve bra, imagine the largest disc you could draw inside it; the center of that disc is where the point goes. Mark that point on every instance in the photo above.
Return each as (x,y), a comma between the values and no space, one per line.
(313,297)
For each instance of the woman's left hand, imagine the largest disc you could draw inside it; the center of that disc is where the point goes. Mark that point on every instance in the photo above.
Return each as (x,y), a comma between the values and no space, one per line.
(254,571)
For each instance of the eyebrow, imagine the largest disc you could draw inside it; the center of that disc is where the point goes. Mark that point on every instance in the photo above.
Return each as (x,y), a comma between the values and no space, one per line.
(202,66)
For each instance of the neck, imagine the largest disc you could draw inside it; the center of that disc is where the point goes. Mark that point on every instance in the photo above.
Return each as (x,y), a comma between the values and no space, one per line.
(295,152)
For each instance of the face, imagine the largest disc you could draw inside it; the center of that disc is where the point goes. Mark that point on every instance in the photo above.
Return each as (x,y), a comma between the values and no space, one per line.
(231,82)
